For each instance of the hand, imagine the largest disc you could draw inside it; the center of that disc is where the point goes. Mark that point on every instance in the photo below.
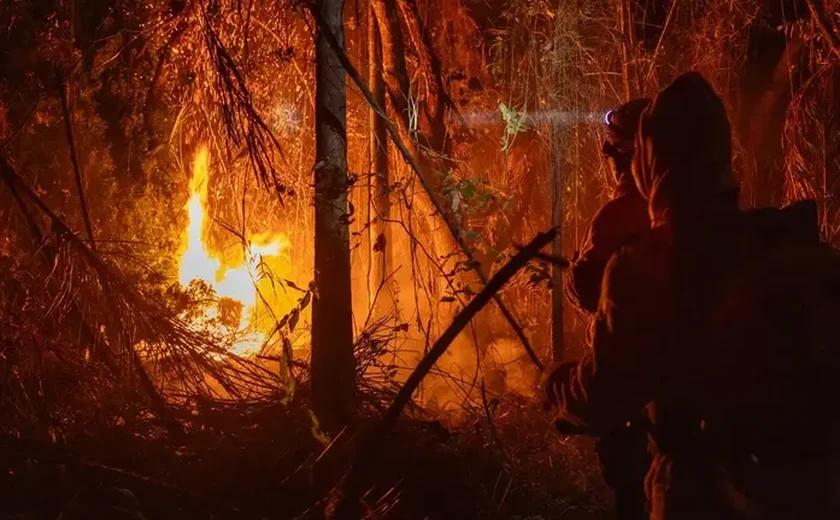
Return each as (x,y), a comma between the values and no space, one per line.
(553,381)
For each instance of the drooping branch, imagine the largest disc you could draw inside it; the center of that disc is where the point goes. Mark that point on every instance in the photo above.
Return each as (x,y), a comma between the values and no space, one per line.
(74,159)
(243,123)
(393,132)
(16,186)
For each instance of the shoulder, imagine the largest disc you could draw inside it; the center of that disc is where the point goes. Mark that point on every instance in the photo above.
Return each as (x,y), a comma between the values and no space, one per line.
(620,219)
(641,261)
(625,206)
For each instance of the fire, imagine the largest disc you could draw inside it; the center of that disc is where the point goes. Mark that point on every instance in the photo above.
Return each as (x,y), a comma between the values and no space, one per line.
(234,282)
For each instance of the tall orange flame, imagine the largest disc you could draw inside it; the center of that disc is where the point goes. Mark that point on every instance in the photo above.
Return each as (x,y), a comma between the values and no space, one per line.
(197,263)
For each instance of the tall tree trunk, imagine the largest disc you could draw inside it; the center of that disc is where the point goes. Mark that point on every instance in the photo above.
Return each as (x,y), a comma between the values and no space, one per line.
(557,145)
(333,364)
(626,26)
(381,256)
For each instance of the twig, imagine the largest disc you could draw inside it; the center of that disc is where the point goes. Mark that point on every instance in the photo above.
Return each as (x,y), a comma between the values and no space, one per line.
(825,26)
(356,480)
(671,12)
(77,170)
(488,413)
(398,142)
(20,129)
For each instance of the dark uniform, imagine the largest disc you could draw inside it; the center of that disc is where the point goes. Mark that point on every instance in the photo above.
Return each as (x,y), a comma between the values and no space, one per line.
(661,340)
(623,217)
(622,452)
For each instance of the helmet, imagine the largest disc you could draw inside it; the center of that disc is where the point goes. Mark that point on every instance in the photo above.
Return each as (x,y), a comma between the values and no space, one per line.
(622,125)
(623,122)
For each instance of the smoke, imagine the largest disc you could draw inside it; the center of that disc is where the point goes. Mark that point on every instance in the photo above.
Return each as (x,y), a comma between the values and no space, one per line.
(507,359)
(503,368)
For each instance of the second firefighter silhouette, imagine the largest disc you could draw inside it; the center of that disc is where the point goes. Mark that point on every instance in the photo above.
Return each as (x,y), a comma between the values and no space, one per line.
(622,453)
(625,215)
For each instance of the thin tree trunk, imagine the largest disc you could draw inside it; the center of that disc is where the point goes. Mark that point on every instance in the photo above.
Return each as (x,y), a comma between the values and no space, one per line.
(381,255)
(333,364)
(626,26)
(556,173)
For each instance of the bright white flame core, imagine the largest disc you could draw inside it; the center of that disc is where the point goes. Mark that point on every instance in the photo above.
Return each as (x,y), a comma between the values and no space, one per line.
(197,263)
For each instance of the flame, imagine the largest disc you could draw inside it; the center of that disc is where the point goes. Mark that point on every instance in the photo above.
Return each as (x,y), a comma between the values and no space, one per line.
(234,282)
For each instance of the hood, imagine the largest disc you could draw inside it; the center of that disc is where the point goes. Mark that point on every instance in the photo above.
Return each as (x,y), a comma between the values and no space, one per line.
(683,157)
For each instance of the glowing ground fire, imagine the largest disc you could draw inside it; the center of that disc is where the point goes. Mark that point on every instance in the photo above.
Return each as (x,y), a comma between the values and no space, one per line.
(234,282)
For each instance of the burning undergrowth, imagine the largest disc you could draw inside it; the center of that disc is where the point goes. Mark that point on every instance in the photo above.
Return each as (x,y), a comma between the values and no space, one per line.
(229,331)
(77,331)
(85,431)
(144,394)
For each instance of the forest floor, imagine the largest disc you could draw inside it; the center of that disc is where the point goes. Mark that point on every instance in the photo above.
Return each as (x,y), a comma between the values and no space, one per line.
(263,461)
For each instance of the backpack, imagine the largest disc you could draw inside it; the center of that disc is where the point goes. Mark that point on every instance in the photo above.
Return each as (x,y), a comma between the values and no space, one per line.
(771,341)
(769,356)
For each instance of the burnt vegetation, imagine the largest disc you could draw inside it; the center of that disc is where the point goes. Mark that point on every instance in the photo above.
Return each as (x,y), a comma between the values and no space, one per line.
(337,312)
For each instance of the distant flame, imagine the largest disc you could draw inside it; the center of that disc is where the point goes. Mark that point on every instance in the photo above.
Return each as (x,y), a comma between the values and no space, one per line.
(197,263)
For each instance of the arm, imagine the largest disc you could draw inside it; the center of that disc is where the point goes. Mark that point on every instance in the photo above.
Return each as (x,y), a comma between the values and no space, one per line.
(616,378)
(612,227)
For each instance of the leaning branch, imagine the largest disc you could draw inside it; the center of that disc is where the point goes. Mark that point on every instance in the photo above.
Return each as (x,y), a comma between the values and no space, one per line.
(398,142)
(74,158)
(356,480)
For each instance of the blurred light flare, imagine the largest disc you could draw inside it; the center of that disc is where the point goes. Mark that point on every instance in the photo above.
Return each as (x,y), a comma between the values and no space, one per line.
(482,119)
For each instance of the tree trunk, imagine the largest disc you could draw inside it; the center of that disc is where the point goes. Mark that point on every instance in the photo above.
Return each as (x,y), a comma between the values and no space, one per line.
(626,32)
(427,137)
(557,147)
(333,364)
(380,189)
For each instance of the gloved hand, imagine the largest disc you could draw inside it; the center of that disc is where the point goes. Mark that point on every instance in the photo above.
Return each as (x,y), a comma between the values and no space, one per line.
(553,379)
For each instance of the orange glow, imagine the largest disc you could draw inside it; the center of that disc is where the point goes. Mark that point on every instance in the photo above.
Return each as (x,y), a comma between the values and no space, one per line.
(234,282)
